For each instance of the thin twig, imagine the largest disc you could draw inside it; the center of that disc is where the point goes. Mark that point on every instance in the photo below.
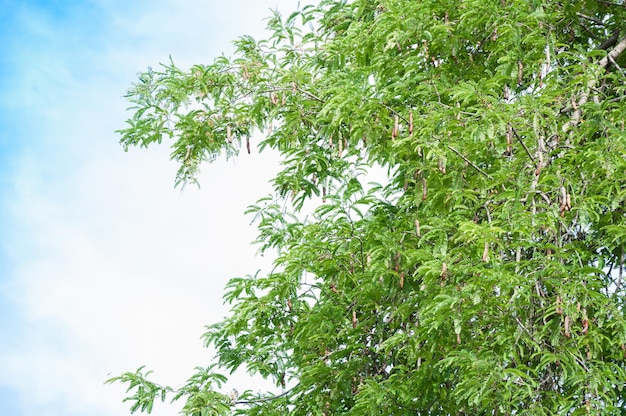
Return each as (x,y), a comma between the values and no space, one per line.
(590,18)
(469,162)
(621,270)
(523,144)
(266,399)
(310,94)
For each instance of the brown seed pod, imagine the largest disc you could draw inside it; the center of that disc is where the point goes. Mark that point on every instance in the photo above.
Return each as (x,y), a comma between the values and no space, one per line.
(418,232)
(509,141)
(444,271)
(566,326)
(486,253)
(339,147)
(585,322)
(354,320)
(248,144)
(396,128)
(396,266)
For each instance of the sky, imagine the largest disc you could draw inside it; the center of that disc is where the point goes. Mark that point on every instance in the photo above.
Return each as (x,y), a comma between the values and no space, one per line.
(104,265)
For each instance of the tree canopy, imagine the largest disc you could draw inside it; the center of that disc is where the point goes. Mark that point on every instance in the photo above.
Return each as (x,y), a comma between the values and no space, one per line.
(484,275)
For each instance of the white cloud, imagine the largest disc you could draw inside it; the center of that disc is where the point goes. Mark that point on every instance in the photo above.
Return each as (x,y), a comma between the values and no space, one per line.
(112,267)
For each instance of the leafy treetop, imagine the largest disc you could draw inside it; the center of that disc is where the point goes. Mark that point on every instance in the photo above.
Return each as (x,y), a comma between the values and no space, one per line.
(486,276)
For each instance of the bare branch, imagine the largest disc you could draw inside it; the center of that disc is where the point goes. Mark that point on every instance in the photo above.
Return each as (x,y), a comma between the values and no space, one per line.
(523,144)
(469,162)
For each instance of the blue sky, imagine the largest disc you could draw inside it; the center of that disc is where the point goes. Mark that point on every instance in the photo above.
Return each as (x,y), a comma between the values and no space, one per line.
(103,265)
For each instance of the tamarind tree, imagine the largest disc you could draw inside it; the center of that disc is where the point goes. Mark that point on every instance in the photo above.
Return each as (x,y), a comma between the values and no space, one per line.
(484,275)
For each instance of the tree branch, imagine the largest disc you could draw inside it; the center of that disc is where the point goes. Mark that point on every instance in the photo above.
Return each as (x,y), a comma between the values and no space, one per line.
(469,162)
(610,41)
(266,399)
(523,144)
(602,64)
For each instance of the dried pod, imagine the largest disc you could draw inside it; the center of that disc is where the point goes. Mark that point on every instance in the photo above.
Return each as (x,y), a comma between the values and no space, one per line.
(509,141)
(418,232)
(339,147)
(486,253)
(229,136)
(566,326)
(401,280)
(396,127)
(354,320)
(248,144)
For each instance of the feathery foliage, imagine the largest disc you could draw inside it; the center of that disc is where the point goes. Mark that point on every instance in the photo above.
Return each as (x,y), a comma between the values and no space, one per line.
(486,276)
